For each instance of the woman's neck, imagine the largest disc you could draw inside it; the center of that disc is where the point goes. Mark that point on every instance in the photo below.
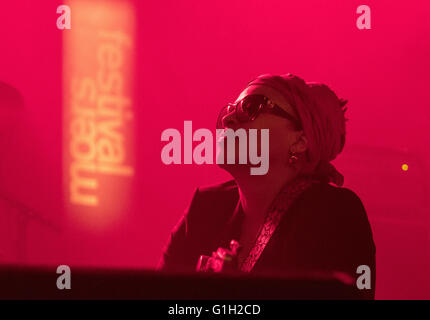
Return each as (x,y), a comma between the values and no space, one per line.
(258,192)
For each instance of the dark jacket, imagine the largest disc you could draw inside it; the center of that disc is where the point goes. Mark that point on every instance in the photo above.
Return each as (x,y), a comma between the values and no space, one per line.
(325,229)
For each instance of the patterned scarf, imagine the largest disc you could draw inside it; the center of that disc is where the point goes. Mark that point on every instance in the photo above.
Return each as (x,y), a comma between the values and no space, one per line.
(322,115)
(279,207)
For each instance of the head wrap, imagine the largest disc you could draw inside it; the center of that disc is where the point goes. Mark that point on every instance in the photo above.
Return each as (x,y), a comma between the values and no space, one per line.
(322,115)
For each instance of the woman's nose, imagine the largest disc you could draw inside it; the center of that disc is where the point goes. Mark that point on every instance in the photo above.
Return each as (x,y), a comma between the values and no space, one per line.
(230,120)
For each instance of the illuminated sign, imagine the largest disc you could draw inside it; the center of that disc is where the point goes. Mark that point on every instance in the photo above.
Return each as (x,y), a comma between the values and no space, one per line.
(98,119)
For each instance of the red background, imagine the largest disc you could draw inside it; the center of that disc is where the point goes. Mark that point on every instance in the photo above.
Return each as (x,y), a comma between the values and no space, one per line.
(193,57)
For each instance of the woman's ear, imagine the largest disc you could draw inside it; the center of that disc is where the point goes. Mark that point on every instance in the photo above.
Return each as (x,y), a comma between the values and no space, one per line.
(301,143)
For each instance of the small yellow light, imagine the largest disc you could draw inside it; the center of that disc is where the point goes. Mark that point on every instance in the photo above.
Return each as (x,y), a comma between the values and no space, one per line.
(405,167)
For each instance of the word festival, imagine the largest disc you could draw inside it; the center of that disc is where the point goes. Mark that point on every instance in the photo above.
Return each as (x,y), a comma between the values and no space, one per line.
(203,152)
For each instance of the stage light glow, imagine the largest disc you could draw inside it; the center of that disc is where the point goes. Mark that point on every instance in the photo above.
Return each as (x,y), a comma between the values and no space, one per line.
(405,167)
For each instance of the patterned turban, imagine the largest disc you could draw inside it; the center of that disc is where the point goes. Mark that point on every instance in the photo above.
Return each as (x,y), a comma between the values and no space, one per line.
(322,115)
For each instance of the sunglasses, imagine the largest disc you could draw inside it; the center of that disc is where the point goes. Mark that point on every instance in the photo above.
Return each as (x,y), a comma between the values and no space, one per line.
(251,106)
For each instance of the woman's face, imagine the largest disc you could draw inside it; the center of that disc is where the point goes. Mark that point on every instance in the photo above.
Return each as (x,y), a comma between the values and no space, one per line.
(282,133)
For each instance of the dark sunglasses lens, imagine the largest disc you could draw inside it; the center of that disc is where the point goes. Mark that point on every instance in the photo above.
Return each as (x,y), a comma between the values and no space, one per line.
(251,106)
(246,110)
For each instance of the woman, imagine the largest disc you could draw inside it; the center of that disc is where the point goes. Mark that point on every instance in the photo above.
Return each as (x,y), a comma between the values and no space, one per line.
(291,219)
